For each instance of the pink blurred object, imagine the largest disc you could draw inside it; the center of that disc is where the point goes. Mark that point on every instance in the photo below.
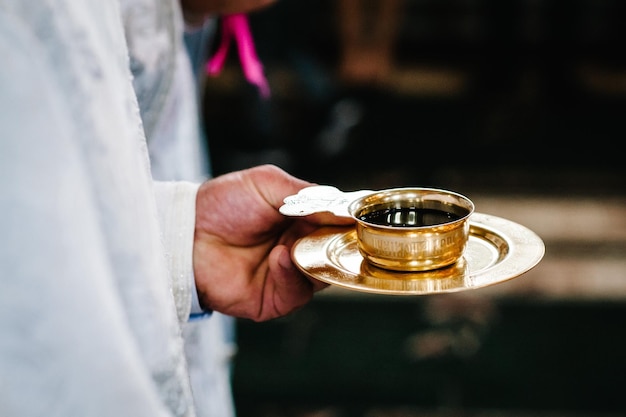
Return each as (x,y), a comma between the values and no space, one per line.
(237,26)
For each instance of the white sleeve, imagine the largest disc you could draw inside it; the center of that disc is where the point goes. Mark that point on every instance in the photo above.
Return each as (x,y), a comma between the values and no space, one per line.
(176,202)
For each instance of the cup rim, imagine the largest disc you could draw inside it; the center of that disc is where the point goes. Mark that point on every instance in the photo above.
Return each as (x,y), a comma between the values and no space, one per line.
(384,197)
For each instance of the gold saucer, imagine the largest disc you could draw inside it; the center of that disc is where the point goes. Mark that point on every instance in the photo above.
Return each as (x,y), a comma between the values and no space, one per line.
(498,250)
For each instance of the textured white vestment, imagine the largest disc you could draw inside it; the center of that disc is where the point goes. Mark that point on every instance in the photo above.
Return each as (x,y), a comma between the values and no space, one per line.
(94,276)
(168,95)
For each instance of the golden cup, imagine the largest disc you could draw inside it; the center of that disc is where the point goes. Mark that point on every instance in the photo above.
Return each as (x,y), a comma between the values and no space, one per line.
(412,229)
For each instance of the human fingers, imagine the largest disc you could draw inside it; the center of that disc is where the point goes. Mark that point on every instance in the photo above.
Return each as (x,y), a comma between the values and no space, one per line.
(274,185)
(286,288)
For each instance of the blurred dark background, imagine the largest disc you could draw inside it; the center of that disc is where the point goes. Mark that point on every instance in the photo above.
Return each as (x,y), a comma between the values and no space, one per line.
(533,90)
(518,104)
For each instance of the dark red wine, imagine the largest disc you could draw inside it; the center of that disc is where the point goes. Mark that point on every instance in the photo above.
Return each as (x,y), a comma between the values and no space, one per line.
(409,217)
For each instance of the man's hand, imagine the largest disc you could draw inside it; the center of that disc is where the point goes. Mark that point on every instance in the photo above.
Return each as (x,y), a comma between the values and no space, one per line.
(242,247)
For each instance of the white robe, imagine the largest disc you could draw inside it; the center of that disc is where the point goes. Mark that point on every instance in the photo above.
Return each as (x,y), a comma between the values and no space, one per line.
(90,313)
(168,96)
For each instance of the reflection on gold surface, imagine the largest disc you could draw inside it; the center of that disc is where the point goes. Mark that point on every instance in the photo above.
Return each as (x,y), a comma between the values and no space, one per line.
(438,280)
(497,250)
